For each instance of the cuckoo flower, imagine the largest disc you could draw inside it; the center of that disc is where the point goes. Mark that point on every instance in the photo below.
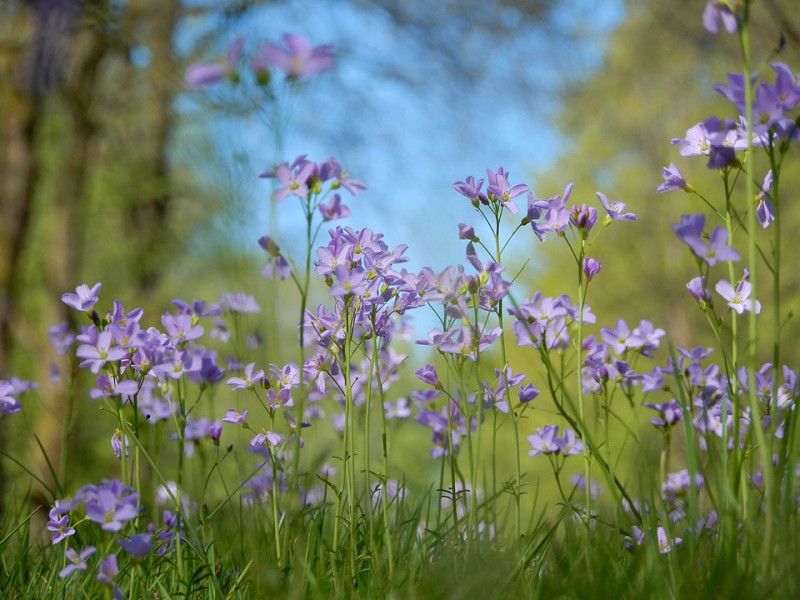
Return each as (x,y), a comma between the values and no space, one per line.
(83,298)
(334,209)
(110,508)
(471,190)
(296,57)
(77,562)
(206,73)
(294,181)
(673,180)
(8,403)
(765,211)
(501,190)
(738,299)
(716,11)
(99,350)
(545,440)
(59,525)
(690,230)
(249,380)
(614,210)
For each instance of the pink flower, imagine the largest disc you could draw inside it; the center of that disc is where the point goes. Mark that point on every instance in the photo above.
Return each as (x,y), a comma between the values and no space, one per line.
(296,57)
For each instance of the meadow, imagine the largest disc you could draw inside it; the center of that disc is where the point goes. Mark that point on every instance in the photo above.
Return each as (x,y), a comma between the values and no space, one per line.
(366,459)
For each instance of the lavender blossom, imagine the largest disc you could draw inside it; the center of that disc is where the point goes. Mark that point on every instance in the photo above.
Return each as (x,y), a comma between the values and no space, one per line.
(83,298)
(545,440)
(716,11)
(673,180)
(614,210)
(738,299)
(296,57)
(77,562)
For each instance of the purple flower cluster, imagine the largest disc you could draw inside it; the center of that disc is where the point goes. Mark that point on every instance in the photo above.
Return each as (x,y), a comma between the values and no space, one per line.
(111,505)
(544,322)
(10,391)
(546,441)
(303,178)
(775,111)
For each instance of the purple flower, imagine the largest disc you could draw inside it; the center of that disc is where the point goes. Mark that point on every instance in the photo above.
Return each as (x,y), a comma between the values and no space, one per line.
(294,182)
(614,209)
(663,541)
(527,393)
(583,217)
(619,338)
(739,299)
(673,180)
(697,289)
(206,73)
(8,403)
(735,90)
(240,303)
(401,409)
(765,211)
(249,380)
(334,209)
(466,232)
(544,440)
(716,11)
(669,413)
(296,57)
(281,399)
(349,281)
(61,337)
(579,481)
(265,437)
(110,386)
(591,267)
(77,562)
(568,445)
(108,569)
(231,416)
(501,190)
(331,169)
(137,545)
(83,298)
(635,539)
(677,484)
(180,328)
(690,230)
(99,351)
(110,508)
(58,524)
(472,190)
(276,262)
(428,375)
(197,309)
(116,444)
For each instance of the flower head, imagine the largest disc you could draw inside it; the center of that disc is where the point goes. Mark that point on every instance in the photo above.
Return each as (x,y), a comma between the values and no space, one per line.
(77,562)
(614,209)
(738,299)
(296,57)
(716,11)
(206,73)
(673,180)
(83,298)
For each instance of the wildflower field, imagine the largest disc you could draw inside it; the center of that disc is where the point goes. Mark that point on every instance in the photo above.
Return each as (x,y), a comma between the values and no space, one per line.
(525,446)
